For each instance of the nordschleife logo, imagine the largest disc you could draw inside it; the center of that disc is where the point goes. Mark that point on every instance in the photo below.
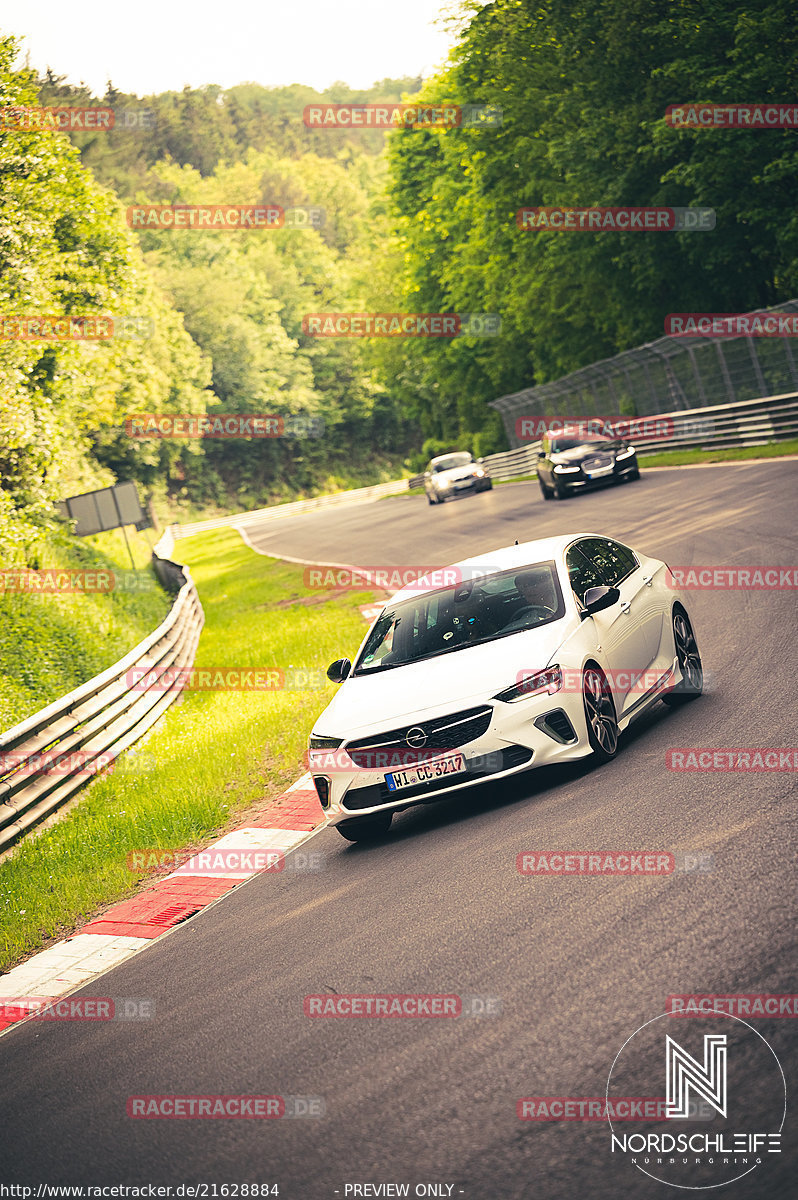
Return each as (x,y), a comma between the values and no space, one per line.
(725,1103)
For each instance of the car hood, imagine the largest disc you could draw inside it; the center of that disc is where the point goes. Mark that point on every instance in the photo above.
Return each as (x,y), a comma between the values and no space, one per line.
(367,704)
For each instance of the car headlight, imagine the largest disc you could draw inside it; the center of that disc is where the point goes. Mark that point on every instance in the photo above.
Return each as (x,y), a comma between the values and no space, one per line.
(479,472)
(567,470)
(625,453)
(549,681)
(317,742)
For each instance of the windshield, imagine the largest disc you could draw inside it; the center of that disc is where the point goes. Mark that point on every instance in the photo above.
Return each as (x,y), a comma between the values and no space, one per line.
(452,460)
(468,614)
(572,443)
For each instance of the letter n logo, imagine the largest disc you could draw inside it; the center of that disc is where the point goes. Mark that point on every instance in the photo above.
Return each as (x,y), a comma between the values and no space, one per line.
(684,1073)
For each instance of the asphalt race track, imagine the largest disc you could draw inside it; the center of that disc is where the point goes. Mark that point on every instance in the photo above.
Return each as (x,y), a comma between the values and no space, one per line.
(576,964)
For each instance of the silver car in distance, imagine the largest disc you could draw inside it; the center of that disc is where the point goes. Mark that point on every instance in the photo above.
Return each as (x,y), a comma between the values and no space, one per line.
(453,475)
(534,654)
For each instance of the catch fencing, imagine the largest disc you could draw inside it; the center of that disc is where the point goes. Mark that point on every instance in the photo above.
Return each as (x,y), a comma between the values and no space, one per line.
(671,374)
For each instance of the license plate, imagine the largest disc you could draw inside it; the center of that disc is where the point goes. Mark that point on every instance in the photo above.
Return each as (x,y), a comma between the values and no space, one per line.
(461,483)
(453,764)
(599,471)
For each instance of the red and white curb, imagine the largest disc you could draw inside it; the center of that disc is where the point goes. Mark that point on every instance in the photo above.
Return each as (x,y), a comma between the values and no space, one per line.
(134,924)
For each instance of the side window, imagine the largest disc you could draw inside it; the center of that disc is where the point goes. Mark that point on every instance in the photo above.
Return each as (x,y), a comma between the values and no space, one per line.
(582,573)
(613,561)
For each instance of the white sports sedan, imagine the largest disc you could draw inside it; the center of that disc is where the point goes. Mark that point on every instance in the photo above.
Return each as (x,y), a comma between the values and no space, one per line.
(535,654)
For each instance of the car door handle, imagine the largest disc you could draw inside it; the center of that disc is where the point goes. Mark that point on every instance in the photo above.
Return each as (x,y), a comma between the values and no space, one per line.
(626,606)
(648,580)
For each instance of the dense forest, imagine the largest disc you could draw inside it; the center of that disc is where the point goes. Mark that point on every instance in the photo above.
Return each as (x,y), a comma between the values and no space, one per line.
(417,219)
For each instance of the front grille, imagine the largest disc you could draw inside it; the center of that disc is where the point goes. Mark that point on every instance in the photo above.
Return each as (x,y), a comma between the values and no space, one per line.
(442,733)
(482,767)
(598,460)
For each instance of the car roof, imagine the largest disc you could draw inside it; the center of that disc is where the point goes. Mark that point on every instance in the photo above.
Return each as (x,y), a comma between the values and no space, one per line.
(449,454)
(503,559)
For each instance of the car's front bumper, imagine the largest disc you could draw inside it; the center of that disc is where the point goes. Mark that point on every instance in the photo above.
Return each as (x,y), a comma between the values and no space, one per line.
(462,487)
(520,736)
(584,482)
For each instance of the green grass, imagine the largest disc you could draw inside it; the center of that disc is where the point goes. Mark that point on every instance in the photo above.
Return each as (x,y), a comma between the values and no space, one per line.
(50,643)
(211,757)
(680,458)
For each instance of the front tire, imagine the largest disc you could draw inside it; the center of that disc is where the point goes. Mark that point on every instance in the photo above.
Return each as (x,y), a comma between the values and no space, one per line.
(366,829)
(544,491)
(689,659)
(600,718)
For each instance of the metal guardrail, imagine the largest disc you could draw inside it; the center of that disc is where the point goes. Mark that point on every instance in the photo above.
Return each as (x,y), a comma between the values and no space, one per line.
(47,758)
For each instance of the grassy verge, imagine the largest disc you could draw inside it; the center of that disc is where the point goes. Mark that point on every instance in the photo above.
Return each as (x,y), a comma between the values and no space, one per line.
(681,458)
(51,642)
(211,757)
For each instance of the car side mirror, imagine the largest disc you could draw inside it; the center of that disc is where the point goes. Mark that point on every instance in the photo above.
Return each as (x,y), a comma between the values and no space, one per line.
(339,670)
(598,598)
(541,453)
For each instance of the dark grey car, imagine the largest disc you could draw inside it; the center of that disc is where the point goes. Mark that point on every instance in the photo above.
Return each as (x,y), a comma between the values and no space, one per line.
(569,463)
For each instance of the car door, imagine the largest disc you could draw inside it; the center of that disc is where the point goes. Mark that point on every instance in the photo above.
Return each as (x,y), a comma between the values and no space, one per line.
(618,563)
(621,631)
